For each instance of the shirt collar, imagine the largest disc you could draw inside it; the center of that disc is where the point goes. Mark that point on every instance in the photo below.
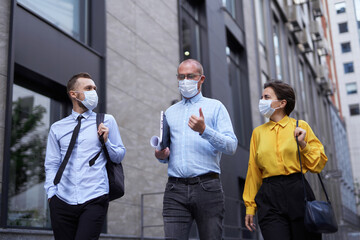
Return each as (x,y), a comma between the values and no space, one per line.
(193,99)
(85,114)
(283,122)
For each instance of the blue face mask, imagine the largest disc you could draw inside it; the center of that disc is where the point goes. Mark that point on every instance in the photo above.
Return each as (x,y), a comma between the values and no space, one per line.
(91,99)
(188,88)
(265,107)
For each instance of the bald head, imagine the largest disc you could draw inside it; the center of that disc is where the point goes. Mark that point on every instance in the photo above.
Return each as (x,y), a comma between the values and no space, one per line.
(194,62)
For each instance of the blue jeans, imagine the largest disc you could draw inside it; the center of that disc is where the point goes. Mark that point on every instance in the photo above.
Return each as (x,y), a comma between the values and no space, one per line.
(184,203)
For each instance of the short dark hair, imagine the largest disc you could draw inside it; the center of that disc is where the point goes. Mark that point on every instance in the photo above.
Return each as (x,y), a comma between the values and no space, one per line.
(72,82)
(283,91)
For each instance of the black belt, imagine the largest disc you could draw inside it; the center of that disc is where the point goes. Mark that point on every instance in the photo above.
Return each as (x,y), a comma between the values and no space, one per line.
(283,177)
(194,180)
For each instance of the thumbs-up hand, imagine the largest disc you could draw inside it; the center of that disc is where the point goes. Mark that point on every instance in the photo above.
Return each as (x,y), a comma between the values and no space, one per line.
(197,123)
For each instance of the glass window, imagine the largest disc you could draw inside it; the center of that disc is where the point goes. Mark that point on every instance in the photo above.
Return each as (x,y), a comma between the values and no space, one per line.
(236,78)
(276,40)
(340,7)
(32,115)
(304,96)
(349,67)
(354,109)
(291,64)
(345,47)
(191,26)
(68,15)
(343,27)
(260,26)
(351,88)
(230,6)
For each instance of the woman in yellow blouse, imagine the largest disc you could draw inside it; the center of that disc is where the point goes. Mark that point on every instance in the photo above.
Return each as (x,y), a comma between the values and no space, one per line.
(273,185)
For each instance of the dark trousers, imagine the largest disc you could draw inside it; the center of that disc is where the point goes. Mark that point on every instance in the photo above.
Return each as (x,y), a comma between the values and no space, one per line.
(186,201)
(78,222)
(281,207)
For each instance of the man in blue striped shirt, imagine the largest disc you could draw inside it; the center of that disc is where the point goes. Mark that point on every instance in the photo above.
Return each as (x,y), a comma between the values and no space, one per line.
(79,201)
(200,131)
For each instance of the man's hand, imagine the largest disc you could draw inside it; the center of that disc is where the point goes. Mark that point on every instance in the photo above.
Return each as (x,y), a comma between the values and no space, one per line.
(197,123)
(162,154)
(102,130)
(249,222)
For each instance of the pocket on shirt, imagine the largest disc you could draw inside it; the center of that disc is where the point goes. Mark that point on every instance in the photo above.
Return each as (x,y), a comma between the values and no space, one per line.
(212,185)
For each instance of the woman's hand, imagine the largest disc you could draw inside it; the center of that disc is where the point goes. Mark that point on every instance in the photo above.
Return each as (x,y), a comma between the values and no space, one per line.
(300,133)
(249,222)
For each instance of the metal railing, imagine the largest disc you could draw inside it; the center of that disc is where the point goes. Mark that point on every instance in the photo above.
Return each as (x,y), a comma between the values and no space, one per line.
(143,226)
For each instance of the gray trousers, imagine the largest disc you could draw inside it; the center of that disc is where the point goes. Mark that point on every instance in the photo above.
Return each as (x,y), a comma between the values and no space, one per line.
(186,202)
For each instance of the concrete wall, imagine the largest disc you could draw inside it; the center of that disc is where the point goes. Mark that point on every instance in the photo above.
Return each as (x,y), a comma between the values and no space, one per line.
(142,59)
(4,41)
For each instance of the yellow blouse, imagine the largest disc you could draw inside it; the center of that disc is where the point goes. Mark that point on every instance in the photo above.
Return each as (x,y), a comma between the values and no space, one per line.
(273,151)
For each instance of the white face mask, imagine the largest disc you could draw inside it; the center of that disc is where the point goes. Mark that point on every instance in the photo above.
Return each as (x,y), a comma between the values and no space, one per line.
(265,107)
(188,88)
(91,99)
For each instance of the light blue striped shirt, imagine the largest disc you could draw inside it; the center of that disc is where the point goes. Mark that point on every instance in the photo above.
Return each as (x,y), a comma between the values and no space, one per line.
(192,154)
(80,182)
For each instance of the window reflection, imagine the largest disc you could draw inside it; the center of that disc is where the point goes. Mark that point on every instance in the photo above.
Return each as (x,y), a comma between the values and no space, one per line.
(276,39)
(68,15)
(303,92)
(340,7)
(351,88)
(349,67)
(190,24)
(260,26)
(27,202)
(230,6)
(236,77)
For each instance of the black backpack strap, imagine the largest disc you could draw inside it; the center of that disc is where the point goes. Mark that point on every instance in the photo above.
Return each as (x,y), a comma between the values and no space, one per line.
(100,119)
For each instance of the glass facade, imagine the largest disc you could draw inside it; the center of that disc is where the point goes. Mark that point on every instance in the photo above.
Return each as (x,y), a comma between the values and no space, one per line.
(230,6)
(68,15)
(236,77)
(277,50)
(192,26)
(259,4)
(32,115)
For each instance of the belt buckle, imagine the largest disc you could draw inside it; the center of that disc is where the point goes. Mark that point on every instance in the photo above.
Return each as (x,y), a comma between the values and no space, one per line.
(194,180)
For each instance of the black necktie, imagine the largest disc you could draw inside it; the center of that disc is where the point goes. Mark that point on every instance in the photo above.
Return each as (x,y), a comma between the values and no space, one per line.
(68,152)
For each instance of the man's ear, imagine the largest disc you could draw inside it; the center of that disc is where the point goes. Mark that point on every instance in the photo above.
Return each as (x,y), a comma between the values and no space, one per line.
(202,79)
(72,94)
(283,103)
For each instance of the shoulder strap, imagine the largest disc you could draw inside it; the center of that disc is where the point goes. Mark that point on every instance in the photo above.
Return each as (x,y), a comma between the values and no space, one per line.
(100,119)
(322,184)
(298,150)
